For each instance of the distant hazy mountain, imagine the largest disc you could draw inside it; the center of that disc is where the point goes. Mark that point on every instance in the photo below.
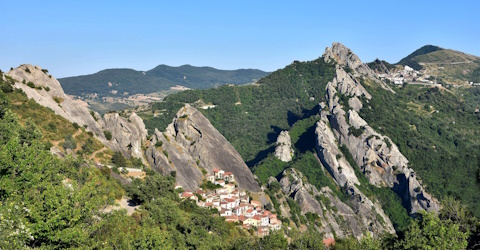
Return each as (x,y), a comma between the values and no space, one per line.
(159,78)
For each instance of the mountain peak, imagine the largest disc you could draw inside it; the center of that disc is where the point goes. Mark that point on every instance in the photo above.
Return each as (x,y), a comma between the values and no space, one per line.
(344,56)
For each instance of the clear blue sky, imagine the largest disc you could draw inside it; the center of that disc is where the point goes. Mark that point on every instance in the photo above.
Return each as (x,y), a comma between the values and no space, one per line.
(82,37)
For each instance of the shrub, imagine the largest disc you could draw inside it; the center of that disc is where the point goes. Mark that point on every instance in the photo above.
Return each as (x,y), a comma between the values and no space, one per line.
(45,71)
(48,145)
(31,84)
(93,115)
(46,88)
(355,132)
(6,88)
(119,159)
(57,99)
(165,153)
(108,134)
(158,144)
(75,125)
(27,70)
(70,142)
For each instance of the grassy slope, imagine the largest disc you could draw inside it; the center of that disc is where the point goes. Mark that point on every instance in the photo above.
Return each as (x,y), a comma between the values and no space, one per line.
(54,127)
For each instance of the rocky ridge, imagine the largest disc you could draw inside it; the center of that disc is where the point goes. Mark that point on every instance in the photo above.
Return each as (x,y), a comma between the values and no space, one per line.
(377,156)
(358,219)
(191,146)
(127,134)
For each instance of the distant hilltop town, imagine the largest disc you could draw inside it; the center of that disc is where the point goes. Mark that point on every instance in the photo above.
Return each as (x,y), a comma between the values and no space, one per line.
(408,75)
(233,203)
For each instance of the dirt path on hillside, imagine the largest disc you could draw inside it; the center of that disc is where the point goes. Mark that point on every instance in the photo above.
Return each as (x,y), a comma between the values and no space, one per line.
(94,154)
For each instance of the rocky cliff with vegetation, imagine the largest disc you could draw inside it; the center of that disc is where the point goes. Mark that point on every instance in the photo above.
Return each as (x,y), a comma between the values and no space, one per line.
(378,158)
(192,147)
(118,133)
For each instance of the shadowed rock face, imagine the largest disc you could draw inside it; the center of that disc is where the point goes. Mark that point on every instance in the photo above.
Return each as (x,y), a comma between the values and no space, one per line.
(337,217)
(193,143)
(376,155)
(51,95)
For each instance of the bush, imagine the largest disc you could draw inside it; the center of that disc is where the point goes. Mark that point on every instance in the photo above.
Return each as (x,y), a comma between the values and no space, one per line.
(27,70)
(46,88)
(75,125)
(70,142)
(31,84)
(165,153)
(6,88)
(119,159)
(158,144)
(93,115)
(108,134)
(355,132)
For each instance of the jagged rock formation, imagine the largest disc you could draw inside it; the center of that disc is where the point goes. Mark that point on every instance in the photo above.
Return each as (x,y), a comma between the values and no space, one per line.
(191,143)
(46,91)
(283,150)
(376,155)
(357,219)
(343,56)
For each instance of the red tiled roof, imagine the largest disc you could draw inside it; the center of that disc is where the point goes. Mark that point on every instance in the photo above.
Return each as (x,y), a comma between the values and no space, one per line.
(329,242)
(256,217)
(215,170)
(187,194)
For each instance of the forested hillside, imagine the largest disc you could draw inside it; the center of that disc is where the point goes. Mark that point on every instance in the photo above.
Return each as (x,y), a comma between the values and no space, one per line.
(251,117)
(159,78)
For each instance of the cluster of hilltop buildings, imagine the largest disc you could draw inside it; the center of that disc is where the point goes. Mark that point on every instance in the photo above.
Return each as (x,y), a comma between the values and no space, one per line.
(408,74)
(234,204)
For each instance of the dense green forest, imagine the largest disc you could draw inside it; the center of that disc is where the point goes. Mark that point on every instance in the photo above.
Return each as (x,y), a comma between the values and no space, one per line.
(159,78)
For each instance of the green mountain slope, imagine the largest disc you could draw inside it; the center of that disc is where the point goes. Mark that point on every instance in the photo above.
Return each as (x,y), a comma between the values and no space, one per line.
(449,66)
(251,117)
(160,78)
(421,51)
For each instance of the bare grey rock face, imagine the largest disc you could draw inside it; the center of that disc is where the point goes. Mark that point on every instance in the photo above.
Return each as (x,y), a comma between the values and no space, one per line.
(343,56)
(283,149)
(129,133)
(376,155)
(127,136)
(337,217)
(193,143)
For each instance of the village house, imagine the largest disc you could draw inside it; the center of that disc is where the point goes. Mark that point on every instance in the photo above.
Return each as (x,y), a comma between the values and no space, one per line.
(234,204)
(218,173)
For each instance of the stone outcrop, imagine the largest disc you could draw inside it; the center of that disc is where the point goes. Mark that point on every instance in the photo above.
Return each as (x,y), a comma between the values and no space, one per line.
(344,57)
(283,149)
(127,134)
(376,155)
(192,143)
(337,218)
